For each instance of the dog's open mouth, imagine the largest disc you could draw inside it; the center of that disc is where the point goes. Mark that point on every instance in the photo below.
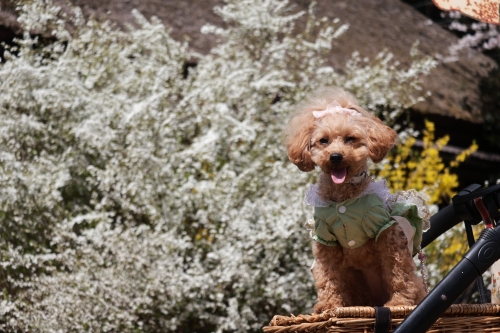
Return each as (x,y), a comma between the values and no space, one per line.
(338,175)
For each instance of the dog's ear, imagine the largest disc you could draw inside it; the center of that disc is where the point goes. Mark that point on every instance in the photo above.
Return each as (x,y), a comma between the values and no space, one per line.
(299,152)
(297,137)
(381,139)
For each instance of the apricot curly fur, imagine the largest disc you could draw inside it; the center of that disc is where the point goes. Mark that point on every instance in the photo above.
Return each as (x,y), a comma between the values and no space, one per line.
(377,273)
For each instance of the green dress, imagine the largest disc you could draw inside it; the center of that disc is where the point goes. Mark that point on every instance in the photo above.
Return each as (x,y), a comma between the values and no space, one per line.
(352,222)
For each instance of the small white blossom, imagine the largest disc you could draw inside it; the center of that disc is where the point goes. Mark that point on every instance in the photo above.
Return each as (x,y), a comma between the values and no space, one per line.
(137,195)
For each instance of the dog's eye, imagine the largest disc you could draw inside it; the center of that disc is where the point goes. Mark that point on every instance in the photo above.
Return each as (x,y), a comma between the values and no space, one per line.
(323,141)
(349,139)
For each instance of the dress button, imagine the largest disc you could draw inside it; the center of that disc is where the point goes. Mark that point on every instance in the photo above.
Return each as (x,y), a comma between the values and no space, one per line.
(351,242)
(342,209)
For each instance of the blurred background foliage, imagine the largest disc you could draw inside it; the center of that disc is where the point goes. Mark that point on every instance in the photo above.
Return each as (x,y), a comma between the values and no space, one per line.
(143,186)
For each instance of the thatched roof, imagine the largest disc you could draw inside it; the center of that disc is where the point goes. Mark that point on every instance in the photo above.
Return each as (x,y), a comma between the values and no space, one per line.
(394,25)
(375,25)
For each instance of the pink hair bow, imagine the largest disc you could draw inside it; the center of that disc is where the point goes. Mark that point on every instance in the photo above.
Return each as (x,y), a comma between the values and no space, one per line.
(335,108)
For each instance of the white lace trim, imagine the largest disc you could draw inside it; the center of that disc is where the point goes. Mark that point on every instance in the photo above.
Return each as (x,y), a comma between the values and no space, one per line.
(379,188)
(312,198)
(412,197)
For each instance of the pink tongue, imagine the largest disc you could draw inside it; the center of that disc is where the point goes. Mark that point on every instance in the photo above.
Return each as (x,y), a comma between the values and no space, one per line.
(338,176)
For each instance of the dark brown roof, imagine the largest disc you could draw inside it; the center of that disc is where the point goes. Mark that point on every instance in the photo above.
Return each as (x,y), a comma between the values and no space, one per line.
(394,25)
(374,25)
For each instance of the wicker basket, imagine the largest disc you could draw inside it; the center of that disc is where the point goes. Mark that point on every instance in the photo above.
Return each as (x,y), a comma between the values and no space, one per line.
(458,318)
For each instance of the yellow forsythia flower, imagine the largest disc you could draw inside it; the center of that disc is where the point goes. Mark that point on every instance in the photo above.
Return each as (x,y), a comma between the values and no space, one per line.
(407,169)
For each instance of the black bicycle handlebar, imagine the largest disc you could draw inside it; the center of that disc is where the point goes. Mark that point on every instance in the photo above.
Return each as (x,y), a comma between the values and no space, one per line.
(463,209)
(478,259)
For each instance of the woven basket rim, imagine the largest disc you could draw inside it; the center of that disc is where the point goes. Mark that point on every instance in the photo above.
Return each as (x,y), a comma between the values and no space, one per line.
(461,317)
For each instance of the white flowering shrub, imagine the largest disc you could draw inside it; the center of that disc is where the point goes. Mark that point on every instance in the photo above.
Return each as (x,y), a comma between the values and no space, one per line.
(475,34)
(138,194)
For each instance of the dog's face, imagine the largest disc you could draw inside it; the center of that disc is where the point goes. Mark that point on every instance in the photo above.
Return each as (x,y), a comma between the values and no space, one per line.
(339,146)
(339,143)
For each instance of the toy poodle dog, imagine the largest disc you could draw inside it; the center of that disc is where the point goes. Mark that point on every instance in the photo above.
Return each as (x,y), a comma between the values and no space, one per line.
(364,235)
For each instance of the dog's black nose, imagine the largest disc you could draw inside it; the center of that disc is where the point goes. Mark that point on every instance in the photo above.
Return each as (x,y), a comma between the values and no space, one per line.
(336,158)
